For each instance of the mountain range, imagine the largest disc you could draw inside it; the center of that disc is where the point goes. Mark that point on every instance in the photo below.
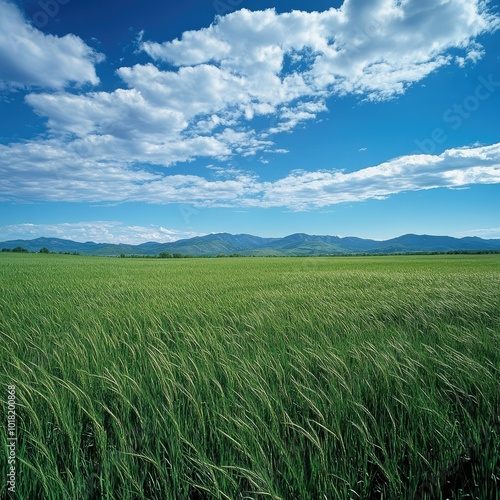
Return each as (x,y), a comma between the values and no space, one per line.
(246,244)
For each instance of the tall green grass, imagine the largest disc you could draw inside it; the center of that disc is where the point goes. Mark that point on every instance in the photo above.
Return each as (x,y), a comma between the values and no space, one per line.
(373,377)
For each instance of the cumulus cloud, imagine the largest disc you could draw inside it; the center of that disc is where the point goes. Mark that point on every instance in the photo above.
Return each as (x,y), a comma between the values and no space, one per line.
(229,88)
(375,48)
(96,231)
(34,174)
(29,58)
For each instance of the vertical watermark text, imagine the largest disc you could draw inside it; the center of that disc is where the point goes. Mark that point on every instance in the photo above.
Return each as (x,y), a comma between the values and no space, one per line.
(11,438)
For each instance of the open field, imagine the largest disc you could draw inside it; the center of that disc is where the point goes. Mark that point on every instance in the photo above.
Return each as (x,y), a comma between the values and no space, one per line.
(347,377)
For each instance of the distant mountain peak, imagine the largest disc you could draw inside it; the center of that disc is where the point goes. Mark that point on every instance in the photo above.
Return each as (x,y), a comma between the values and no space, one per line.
(247,244)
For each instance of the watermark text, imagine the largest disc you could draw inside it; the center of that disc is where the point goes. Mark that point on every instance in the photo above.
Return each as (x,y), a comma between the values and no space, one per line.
(11,438)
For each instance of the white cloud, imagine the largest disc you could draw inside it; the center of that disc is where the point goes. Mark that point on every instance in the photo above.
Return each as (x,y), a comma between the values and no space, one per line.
(96,231)
(375,48)
(30,173)
(222,80)
(232,86)
(123,114)
(474,53)
(29,58)
(454,168)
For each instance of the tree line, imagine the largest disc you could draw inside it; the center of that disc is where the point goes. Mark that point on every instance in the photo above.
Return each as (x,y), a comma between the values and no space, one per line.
(168,255)
(42,250)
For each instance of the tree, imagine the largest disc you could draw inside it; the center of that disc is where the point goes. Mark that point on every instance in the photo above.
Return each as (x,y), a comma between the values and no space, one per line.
(20,250)
(165,255)
(44,250)
(177,255)
(5,249)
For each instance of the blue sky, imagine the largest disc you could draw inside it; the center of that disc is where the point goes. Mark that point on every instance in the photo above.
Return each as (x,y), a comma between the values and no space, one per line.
(137,121)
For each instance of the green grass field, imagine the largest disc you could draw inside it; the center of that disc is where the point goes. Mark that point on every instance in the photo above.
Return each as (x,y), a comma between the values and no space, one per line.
(307,378)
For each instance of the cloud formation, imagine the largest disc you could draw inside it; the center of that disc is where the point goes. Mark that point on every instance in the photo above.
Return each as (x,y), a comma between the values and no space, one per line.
(376,49)
(29,58)
(228,89)
(454,168)
(46,178)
